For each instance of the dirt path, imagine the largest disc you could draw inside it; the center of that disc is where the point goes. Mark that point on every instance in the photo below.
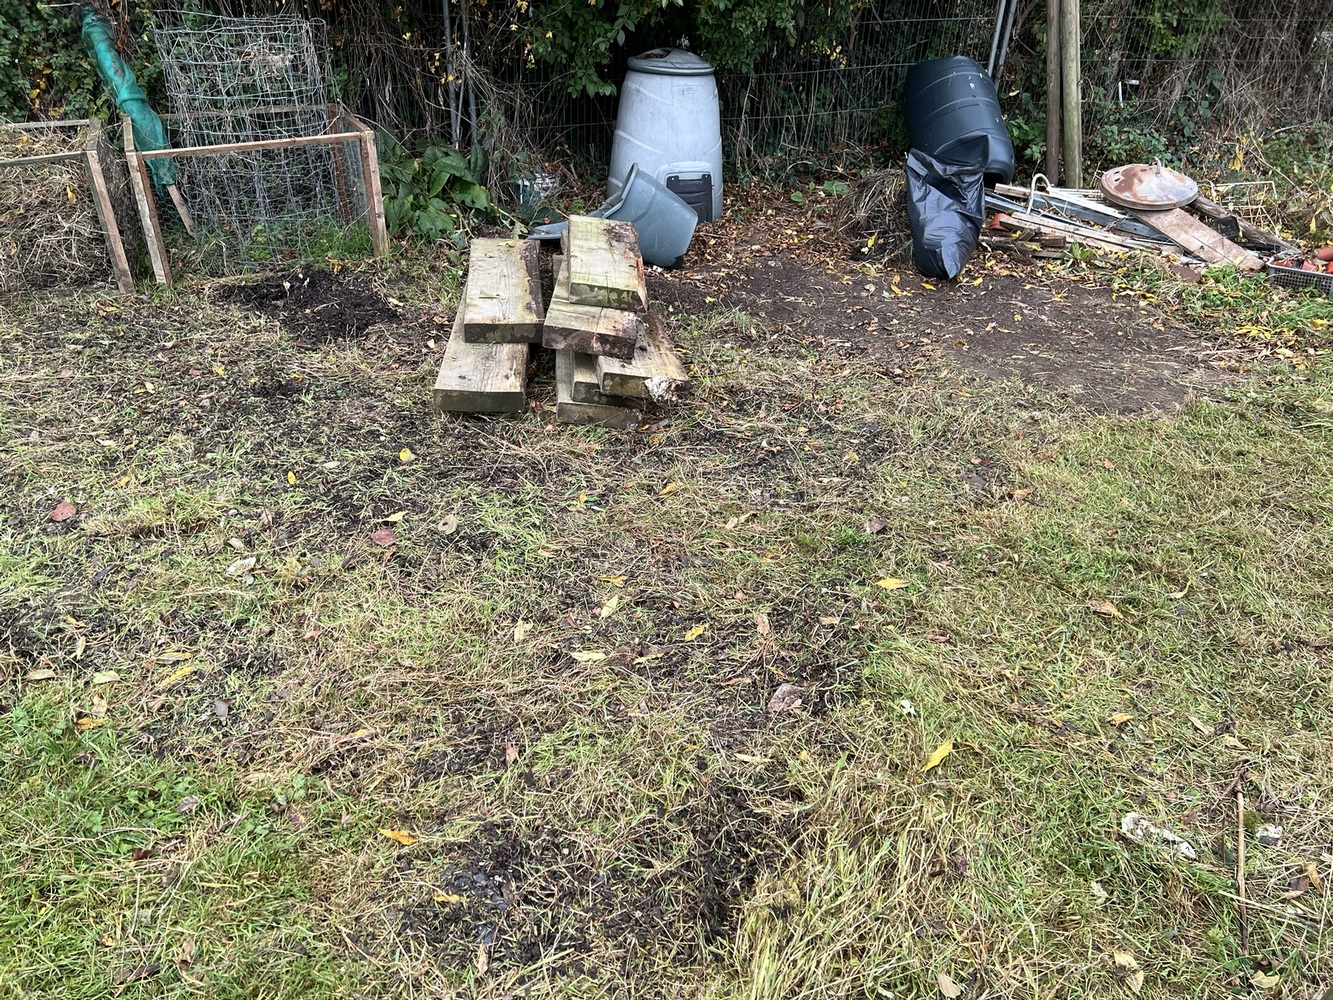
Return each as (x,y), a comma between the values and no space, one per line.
(1003,318)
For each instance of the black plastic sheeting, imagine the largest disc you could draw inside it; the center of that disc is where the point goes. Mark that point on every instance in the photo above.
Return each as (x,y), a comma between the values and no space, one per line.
(946,206)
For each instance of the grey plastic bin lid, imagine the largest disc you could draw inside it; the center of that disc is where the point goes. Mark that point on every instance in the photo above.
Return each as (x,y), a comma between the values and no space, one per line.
(670,62)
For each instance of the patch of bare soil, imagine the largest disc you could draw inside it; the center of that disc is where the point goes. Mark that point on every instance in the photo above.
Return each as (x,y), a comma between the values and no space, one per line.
(1002,318)
(313,305)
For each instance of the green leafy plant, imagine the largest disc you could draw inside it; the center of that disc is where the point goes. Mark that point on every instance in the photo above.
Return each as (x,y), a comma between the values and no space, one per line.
(430,195)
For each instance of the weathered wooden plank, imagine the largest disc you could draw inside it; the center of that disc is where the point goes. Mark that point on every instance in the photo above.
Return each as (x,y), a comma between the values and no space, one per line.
(1086,236)
(587,387)
(1247,229)
(653,372)
(502,302)
(147,206)
(1191,234)
(481,378)
(570,411)
(605,268)
(588,329)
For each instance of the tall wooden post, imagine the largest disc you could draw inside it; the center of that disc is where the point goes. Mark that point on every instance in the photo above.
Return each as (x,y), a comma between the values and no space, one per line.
(1053,92)
(1072,91)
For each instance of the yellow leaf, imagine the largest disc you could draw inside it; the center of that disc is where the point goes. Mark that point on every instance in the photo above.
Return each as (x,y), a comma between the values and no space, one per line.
(941,751)
(84,723)
(177,675)
(1119,718)
(609,608)
(69,192)
(1312,873)
(1265,980)
(668,489)
(291,478)
(694,633)
(398,836)
(406,455)
(947,986)
(395,517)
(360,734)
(1230,741)
(891,583)
(1135,981)
(927,286)
(521,629)
(449,897)
(1105,608)
(588,656)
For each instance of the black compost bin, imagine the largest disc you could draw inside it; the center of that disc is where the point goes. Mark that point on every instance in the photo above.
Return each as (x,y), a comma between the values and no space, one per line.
(951,102)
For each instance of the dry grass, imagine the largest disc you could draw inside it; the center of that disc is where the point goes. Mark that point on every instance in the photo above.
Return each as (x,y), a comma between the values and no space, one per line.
(600,803)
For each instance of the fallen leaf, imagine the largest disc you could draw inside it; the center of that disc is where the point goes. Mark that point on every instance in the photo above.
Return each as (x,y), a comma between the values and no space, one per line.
(1105,608)
(891,583)
(947,986)
(383,537)
(1119,718)
(291,478)
(694,633)
(1297,886)
(511,755)
(63,511)
(1312,873)
(405,456)
(761,623)
(829,620)
(941,751)
(105,677)
(449,525)
(1020,494)
(1230,741)
(395,517)
(186,953)
(588,656)
(875,525)
(1265,980)
(126,976)
(220,708)
(1201,726)
(242,567)
(1128,967)
(668,489)
(1107,464)
(483,960)
(188,805)
(609,608)
(450,898)
(521,630)
(236,544)
(787,698)
(398,836)
(87,722)
(179,674)
(40,674)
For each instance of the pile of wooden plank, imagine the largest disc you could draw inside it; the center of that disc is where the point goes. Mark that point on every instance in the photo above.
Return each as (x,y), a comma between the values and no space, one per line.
(1204,233)
(612,357)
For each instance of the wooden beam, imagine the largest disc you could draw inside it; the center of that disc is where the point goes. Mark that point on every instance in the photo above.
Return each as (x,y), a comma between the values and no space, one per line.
(588,329)
(1053,95)
(1191,234)
(1248,229)
(502,301)
(106,214)
(244,147)
(587,384)
(370,170)
(1071,90)
(654,371)
(1079,234)
(147,206)
(481,378)
(605,268)
(569,411)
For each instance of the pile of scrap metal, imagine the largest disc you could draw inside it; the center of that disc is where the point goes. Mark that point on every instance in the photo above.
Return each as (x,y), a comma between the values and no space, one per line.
(1137,208)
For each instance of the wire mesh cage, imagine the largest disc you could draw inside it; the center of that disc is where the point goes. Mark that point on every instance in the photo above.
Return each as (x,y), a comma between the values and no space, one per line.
(269,169)
(63,192)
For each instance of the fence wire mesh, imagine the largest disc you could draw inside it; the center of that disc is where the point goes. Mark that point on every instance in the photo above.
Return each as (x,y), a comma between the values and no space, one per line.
(50,231)
(245,79)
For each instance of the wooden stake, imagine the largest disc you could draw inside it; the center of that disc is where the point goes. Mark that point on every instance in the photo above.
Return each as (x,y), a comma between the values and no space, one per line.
(147,205)
(1071,90)
(1053,96)
(106,214)
(182,210)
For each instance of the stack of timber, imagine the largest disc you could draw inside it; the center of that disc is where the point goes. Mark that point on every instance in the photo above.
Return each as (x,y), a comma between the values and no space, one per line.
(612,357)
(1204,233)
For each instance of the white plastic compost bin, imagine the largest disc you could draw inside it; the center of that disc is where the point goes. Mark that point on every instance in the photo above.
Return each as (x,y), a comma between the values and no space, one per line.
(670,125)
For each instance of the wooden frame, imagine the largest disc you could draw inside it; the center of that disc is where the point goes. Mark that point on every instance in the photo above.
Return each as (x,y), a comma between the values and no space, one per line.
(89,152)
(344,127)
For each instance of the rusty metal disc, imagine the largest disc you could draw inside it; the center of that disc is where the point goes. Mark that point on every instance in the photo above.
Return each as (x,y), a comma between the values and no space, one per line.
(1148,186)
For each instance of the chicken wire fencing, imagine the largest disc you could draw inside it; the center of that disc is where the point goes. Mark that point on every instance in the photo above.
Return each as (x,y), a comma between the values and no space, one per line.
(238,80)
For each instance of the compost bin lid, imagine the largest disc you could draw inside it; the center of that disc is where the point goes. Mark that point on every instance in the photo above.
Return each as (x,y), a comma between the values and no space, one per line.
(1148,186)
(670,62)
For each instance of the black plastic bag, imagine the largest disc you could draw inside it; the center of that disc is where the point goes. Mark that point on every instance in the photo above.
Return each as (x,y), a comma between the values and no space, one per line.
(946,206)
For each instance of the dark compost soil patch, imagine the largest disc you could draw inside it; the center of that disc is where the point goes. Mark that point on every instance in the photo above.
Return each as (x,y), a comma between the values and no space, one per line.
(313,305)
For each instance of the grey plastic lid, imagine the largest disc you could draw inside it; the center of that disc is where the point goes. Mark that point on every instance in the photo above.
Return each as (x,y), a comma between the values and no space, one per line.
(670,62)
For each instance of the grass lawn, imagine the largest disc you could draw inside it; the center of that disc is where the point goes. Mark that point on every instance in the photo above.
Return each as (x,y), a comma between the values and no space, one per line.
(318,694)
